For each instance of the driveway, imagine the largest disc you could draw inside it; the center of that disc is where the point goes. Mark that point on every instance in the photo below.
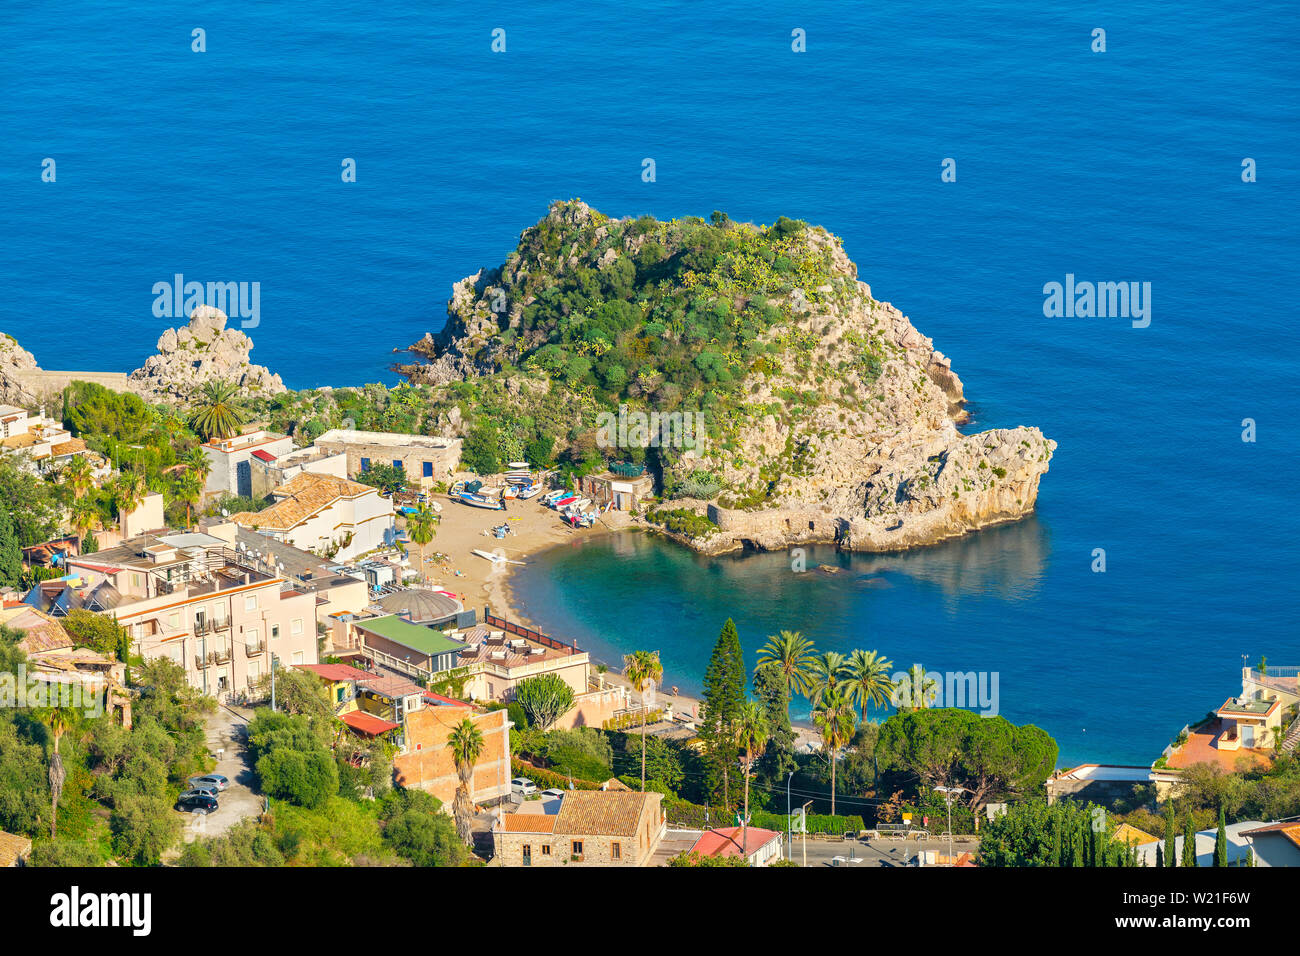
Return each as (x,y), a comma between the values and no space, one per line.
(227,739)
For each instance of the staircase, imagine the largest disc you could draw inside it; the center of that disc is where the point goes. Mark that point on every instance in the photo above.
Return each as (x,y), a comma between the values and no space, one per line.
(1292,736)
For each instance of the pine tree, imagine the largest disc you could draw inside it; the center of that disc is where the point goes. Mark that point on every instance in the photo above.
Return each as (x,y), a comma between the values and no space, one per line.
(1189,845)
(1171,845)
(1221,842)
(11,553)
(724,692)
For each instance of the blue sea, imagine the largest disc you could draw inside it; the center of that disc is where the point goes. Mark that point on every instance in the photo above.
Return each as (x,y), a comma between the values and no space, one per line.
(1117,166)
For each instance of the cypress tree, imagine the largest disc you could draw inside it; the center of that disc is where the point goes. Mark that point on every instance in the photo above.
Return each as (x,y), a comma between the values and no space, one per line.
(1171,844)
(1221,842)
(724,692)
(11,553)
(1160,856)
(1189,845)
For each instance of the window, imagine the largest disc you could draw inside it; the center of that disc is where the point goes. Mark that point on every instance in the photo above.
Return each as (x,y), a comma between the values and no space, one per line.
(250,602)
(365,464)
(577,849)
(528,852)
(397,463)
(428,469)
(546,849)
(297,658)
(174,619)
(616,851)
(254,672)
(275,631)
(295,626)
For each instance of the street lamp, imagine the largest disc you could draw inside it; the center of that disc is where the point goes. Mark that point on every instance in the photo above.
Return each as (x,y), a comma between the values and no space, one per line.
(789,823)
(948,793)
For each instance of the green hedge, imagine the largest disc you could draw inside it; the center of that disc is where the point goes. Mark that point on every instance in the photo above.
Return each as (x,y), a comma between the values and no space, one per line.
(692,816)
(546,779)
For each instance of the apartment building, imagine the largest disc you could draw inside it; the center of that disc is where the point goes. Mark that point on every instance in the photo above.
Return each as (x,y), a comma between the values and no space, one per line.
(420,456)
(195,600)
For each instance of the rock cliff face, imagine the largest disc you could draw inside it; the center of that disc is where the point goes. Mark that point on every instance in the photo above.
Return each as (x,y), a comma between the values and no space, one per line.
(202,351)
(842,427)
(14,361)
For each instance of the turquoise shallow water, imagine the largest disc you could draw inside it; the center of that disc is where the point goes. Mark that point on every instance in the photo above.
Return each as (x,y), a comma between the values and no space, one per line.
(1122,166)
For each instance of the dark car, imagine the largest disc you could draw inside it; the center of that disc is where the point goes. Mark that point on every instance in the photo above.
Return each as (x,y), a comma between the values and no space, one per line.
(197,801)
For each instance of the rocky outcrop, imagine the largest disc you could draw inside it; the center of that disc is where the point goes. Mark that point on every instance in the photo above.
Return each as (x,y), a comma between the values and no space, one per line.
(846,430)
(200,352)
(14,362)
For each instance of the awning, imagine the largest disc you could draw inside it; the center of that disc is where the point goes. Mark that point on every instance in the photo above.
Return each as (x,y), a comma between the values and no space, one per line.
(367,724)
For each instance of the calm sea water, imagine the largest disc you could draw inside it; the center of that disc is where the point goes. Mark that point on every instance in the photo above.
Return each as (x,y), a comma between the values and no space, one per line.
(224,166)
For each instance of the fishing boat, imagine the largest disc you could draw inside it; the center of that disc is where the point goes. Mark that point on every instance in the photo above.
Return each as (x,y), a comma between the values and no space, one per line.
(481,501)
(530,491)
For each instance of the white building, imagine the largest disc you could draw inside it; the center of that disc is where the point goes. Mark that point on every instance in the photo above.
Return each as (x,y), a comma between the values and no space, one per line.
(326,515)
(231,458)
(423,457)
(269,471)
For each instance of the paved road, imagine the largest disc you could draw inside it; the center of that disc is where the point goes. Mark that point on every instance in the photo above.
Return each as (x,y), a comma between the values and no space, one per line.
(226,738)
(888,853)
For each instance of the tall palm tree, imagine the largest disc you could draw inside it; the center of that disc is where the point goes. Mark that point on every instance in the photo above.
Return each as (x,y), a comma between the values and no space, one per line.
(466,747)
(642,668)
(189,488)
(826,672)
(129,490)
(836,718)
(83,516)
(791,654)
(215,414)
(751,734)
(867,677)
(920,689)
(78,475)
(196,461)
(57,724)
(420,526)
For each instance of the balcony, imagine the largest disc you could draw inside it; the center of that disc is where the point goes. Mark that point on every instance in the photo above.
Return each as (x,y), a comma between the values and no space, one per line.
(219,656)
(254,648)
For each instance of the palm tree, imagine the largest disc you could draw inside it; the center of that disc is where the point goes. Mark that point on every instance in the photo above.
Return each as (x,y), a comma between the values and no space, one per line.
(867,677)
(642,668)
(83,516)
(836,719)
(196,461)
(826,672)
(420,526)
(78,475)
(128,491)
(57,724)
(215,415)
(466,747)
(792,654)
(920,689)
(189,488)
(751,734)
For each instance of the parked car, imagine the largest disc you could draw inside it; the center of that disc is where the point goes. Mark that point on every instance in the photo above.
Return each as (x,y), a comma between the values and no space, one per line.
(207,791)
(523,786)
(197,801)
(553,792)
(208,780)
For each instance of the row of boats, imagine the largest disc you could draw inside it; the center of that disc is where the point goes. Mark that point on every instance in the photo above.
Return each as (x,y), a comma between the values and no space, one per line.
(572,508)
(521,483)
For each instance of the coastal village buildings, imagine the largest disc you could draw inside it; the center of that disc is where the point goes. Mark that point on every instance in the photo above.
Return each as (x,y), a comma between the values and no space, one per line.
(229,458)
(760,847)
(267,472)
(192,598)
(376,702)
(331,516)
(42,442)
(424,458)
(1246,728)
(589,828)
(625,492)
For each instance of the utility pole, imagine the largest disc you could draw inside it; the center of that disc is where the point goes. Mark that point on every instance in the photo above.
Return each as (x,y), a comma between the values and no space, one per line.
(789,822)
(272,681)
(948,794)
(805,832)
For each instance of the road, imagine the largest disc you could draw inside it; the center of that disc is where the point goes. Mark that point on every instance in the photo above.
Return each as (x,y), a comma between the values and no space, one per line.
(227,739)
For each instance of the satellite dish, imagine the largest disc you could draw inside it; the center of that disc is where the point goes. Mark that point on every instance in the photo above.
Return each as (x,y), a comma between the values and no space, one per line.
(225,513)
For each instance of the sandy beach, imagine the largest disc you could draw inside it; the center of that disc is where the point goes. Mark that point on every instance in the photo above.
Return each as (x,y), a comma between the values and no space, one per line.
(451,565)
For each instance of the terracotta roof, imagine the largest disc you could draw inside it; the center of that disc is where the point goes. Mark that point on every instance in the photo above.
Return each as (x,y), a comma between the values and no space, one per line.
(718,842)
(602,812)
(530,823)
(334,672)
(13,848)
(69,447)
(1132,836)
(300,497)
(43,633)
(1290,830)
(368,724)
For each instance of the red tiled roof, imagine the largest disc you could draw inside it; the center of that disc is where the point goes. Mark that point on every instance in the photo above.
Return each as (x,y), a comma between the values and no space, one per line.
(530,823)
(718,842)
(263,455)
(365,723)
(441,699)
(333,671)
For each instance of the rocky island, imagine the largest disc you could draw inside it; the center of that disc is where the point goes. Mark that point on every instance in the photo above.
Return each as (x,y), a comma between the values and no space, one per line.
(829,416)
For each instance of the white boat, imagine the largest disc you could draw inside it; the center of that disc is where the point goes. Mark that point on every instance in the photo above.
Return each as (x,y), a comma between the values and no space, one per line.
(494,558)
(523,465)
(530,491)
